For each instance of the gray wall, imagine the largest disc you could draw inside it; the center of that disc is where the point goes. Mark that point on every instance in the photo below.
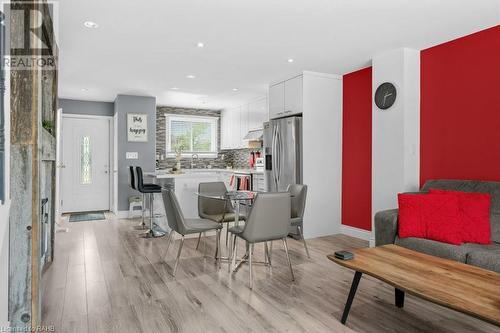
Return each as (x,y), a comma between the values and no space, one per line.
(87,107)
(134,104)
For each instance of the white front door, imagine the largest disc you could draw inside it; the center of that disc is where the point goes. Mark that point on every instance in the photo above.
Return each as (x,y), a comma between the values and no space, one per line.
(85,176)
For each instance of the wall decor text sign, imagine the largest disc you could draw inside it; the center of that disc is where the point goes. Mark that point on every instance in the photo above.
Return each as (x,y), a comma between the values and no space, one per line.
(137,127)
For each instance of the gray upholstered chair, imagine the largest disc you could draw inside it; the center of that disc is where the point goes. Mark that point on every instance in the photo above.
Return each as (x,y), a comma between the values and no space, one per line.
(268,220)
(220,211)
(298,194)
(183,226)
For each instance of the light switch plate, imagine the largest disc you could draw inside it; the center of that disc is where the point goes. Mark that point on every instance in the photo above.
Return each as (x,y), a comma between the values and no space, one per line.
(132,155)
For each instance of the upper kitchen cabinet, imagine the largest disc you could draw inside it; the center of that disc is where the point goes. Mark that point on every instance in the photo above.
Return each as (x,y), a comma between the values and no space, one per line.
(257,114)
(276,100)
(237,122)
(286,98)
(293,96)
(226,129)
(244,118)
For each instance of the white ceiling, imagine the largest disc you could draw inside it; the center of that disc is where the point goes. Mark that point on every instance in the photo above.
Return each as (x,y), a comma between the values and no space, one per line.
(148,47)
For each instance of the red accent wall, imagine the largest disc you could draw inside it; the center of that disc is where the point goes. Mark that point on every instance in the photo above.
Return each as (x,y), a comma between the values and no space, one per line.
(460,108)
(357,149)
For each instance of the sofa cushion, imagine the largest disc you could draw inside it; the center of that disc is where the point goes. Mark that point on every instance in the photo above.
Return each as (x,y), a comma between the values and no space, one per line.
(493,188)
(474,211)
(443,250)
(431,216)
(485,259)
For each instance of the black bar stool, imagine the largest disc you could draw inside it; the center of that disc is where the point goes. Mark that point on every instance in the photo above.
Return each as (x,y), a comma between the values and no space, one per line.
(142,225)
(149,189)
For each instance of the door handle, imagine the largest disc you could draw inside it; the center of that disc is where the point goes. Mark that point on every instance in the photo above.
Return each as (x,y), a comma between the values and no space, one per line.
(274,154)
(61,166)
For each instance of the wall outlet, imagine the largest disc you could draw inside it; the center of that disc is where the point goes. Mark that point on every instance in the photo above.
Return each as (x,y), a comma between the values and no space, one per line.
(132,155)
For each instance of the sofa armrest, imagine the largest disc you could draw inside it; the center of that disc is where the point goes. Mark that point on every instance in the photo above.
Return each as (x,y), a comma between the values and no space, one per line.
(386,227)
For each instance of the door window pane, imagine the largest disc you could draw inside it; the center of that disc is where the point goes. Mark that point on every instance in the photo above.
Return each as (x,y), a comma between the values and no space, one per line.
(85,161)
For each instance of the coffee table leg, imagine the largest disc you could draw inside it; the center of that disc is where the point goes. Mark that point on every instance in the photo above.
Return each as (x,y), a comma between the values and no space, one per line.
(350,298)
(399,297)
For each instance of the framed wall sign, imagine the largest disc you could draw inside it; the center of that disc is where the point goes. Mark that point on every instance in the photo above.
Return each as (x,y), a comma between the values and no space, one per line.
(137,127)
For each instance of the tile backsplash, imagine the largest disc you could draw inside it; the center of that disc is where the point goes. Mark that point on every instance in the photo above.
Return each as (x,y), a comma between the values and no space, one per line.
(237,158)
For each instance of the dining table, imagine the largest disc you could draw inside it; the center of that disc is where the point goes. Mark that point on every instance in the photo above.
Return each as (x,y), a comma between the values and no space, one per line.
(234,198)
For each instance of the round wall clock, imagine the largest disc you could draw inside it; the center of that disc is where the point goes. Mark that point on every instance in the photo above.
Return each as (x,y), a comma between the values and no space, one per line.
(385,95)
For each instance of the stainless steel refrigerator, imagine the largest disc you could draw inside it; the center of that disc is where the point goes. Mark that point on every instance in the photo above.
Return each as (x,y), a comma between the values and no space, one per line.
(283,153)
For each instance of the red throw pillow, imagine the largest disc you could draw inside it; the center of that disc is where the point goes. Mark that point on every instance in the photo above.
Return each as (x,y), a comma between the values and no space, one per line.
(430,216)
(474,211)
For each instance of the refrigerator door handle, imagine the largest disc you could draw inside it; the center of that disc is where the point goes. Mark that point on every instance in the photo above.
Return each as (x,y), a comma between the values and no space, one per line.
(274,153)
(280,160)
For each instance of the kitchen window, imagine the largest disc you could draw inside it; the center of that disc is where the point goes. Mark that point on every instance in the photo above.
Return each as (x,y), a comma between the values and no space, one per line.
(191,135)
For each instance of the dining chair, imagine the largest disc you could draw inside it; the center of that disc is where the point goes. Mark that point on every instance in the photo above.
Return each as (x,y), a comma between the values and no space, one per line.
(268,220)
(183,226)
(298,193)
(221,211)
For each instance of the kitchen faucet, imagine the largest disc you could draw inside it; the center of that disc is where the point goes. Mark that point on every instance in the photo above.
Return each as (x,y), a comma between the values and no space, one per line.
(192,160)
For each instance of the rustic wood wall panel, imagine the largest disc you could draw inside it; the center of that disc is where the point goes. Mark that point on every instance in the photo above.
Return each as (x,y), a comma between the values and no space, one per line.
(33,96)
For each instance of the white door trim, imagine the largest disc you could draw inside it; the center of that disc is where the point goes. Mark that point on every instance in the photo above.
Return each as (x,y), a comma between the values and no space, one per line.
(58,163)
(112,157)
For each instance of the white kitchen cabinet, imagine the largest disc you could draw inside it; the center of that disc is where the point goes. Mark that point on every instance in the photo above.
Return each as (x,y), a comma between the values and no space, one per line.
(237,122)
(293,96)
(286,98)
(257,114)
(258,182)
(226,130)
(244,118)
(277,100)
(235,127)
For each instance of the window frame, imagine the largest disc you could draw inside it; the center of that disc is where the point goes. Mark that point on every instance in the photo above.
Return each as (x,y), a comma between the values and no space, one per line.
(212,120)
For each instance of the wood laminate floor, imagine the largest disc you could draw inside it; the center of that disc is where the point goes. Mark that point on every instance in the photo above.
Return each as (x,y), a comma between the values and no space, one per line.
(107,279)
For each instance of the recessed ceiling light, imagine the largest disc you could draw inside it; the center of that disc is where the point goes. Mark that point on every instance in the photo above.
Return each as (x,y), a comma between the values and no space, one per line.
(174,88)
(84,89)
(200,44)
(290,60)
(190,76)
(90,25)
(235,89)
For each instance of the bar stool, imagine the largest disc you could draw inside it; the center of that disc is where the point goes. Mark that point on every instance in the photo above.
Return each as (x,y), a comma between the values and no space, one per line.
(149,189)
(142,225)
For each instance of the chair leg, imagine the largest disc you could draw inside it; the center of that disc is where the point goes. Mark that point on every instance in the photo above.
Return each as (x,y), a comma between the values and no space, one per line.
(217,246)
(199,239)
(230,254)
(303,240)
(270,253)
(285,245)
(232,260)
(178,255)
(169,240)
(204,244)
(227,233)
(250,255)
(267,258)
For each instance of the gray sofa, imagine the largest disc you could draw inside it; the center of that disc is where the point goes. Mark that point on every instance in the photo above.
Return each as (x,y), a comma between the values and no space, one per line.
(485,256)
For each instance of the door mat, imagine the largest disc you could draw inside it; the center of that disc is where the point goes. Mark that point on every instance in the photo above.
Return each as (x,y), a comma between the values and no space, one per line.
(89,216)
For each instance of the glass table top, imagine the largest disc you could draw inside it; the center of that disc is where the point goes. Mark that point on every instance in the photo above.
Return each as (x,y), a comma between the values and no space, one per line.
(230,195)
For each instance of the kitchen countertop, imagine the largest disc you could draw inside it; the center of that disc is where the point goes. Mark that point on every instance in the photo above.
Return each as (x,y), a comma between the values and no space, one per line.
(194,173)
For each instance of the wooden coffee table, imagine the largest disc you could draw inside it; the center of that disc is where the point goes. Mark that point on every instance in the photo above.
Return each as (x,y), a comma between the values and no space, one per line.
(465,288)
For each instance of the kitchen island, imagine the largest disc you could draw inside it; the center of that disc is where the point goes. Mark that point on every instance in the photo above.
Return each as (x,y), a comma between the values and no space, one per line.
(185,185)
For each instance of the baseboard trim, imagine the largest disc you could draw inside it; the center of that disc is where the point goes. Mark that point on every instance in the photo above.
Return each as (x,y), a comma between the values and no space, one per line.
(356,232)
